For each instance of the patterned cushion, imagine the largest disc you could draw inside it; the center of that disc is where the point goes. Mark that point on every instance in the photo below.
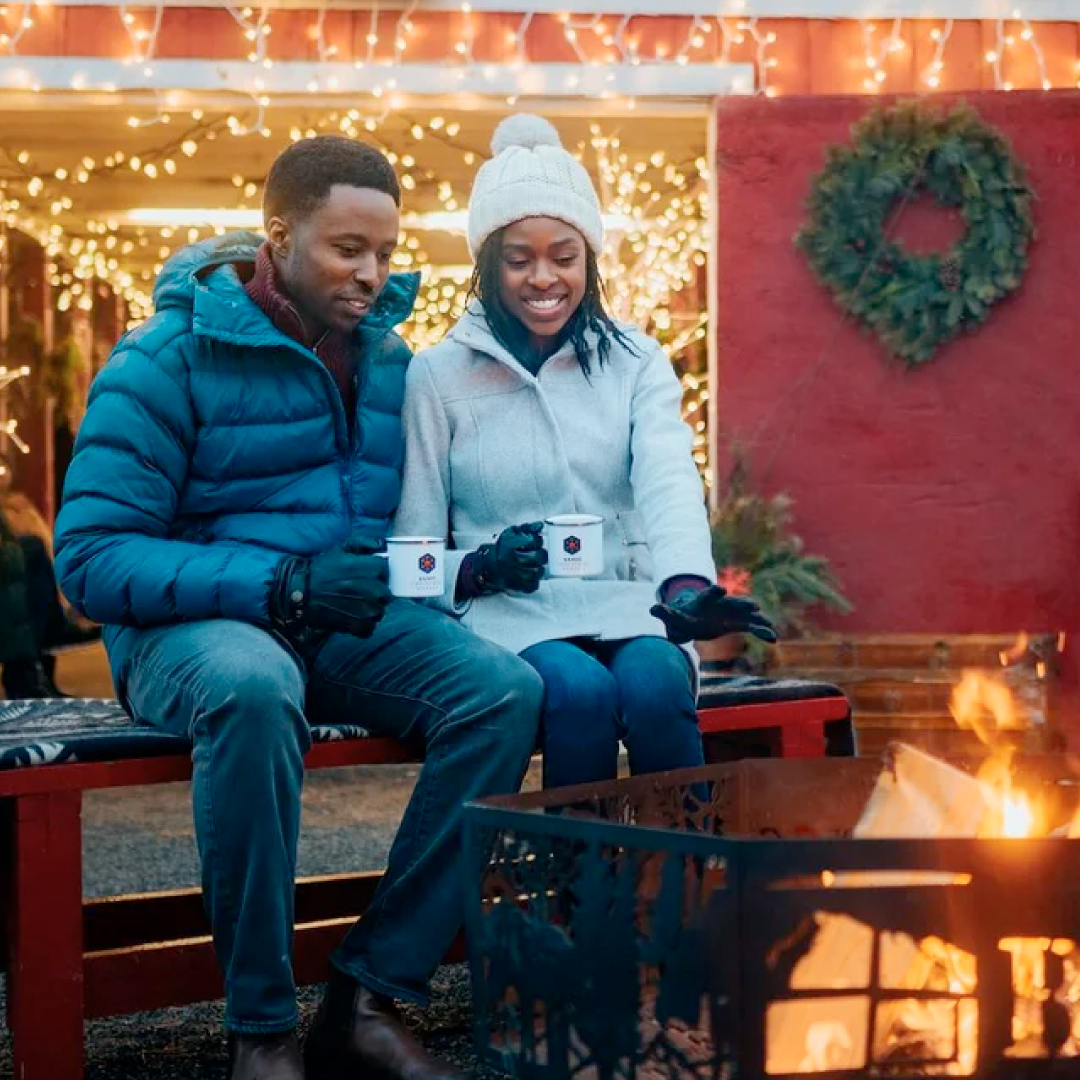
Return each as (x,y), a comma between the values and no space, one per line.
(718,690)
(96,729)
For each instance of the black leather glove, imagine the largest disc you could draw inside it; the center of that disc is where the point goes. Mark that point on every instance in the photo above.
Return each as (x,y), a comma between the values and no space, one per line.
(515,562)
(344,589)
(702,616)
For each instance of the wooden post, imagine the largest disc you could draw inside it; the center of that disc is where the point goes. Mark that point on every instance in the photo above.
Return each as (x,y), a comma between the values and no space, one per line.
(35,426)
(45,974)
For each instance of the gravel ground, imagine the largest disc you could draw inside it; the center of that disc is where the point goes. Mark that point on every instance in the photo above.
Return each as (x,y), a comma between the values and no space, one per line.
(142,839)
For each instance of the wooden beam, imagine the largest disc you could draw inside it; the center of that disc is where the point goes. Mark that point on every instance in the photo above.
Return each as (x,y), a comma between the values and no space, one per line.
(304,79)
(122,922)
(1041,10)
(122,981)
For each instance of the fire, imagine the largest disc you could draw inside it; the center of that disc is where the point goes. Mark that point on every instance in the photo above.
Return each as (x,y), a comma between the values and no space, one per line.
(984,704)
(1016,652)
(1017,817)
(919,795)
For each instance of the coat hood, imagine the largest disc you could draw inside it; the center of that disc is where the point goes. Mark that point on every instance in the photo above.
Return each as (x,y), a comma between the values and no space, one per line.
(474,332)
(204,278)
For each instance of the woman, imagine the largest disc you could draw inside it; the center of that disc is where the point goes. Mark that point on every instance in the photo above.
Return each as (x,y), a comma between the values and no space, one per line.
(22,675)
(538,404)
(32,618)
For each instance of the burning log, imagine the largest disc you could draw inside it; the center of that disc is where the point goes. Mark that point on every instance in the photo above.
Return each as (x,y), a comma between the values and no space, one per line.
(919,796)
(916,795)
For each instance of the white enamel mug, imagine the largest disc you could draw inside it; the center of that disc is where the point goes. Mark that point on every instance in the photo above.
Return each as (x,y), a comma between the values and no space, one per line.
(575,545)
(417,565)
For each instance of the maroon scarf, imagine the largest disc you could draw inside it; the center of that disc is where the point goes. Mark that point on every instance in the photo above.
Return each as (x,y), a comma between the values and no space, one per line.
(332,348)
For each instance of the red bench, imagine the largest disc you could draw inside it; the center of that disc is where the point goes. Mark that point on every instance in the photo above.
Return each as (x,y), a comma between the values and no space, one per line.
(68,960)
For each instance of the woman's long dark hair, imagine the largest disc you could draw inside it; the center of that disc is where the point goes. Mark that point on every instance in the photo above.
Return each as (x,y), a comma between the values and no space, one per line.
(510,333)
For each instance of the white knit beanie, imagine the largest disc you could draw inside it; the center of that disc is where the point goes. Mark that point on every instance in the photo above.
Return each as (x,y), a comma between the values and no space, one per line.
(531,175)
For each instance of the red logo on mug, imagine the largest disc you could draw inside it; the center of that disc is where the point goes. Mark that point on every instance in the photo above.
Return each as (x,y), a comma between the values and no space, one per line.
(571,545)
(427,563)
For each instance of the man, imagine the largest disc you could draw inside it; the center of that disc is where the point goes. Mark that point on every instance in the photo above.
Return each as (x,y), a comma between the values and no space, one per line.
(236,469)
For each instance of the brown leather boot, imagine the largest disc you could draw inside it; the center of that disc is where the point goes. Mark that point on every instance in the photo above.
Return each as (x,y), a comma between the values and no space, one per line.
(357,1033)
(265,1057)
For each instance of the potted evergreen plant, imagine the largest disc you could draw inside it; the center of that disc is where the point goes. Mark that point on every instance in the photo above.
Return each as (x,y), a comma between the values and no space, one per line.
(757,554)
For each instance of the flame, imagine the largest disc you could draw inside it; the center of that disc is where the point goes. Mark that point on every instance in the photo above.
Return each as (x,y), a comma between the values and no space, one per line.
(828,1046)
(984,704)
(1017,651)
(1017,816)
(947,1030)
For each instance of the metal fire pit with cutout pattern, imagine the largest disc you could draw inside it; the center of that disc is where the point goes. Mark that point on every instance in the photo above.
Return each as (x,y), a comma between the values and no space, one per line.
(722,922)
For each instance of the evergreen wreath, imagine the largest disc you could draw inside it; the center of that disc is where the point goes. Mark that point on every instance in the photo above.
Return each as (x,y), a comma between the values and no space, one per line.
(915,303)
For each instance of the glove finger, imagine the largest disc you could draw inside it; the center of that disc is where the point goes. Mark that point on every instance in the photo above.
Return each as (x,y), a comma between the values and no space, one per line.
(528,542)
(763,631)
(677,626)
(362,545)
(756,625)
(531,528)
(346,616)
(715,592)
(737,605)
(528,559)
(373,569)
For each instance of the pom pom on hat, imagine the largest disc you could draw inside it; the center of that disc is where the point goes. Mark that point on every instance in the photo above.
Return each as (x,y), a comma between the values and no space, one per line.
(524,130)
(532,175)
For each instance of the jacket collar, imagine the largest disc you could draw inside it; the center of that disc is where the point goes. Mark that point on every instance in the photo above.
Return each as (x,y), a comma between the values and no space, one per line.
(222,309)
(473,331)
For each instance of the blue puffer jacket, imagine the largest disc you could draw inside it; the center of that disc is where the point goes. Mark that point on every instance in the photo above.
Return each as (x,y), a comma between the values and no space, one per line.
(213,445)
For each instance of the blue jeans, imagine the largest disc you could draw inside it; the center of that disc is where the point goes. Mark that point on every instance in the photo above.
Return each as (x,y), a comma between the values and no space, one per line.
(243,698)
(596,693)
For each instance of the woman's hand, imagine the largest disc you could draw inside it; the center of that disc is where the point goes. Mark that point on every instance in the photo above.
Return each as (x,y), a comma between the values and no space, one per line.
(702,615)
(515,562)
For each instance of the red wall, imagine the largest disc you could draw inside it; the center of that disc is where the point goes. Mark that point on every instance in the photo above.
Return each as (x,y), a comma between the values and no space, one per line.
(948,498)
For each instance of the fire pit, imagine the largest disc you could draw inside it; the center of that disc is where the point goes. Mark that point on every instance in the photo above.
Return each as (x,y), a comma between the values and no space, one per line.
(736,921)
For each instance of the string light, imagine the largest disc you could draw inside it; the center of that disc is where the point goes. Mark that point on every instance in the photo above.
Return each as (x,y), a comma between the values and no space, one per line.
(1027,34)
(9,426)
(931,74)
(1004,40)
(763,63)
(24,22)
(43,200)
(875,56)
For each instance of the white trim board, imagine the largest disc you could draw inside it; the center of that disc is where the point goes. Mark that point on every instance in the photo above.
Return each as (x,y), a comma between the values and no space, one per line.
(308,79)
(1033,10)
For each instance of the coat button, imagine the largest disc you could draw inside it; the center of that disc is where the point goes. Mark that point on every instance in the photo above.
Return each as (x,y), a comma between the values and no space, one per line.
(296,596)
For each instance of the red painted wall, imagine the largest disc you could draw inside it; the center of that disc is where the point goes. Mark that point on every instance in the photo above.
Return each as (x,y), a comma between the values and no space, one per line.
(949,498)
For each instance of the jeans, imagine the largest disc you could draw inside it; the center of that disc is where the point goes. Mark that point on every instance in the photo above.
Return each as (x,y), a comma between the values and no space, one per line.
(244,699)
(596,693)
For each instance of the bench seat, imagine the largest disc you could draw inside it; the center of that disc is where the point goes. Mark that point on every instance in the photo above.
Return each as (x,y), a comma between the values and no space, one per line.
(68,730)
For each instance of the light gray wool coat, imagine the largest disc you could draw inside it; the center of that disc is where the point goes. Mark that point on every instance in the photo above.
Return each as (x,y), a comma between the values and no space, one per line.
(489,445)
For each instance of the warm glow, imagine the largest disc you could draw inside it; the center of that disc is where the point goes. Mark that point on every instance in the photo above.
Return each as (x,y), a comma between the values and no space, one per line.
(1017,817)
(451,221)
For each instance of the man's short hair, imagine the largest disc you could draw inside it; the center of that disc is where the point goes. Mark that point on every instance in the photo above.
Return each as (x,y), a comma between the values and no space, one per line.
(302,175)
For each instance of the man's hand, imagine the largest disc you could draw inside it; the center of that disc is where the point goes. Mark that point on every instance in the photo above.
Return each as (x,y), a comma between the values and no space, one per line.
(344,590)
(515,562)
(710,613)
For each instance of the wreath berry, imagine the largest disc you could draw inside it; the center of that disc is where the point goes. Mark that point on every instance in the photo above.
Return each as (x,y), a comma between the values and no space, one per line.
(915,303)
